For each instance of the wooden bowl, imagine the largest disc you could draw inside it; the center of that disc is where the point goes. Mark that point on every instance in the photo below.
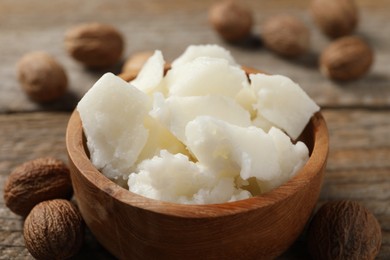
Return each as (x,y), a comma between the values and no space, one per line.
(131,226)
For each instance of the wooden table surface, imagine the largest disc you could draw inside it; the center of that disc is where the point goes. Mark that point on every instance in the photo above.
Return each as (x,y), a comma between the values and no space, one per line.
(357,113)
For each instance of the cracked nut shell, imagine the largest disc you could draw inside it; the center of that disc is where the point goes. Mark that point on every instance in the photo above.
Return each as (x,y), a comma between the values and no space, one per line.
(35,181)
(54,229)
(344,230)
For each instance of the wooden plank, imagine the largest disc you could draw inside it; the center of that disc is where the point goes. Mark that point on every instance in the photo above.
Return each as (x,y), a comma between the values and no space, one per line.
(25,137)
(171,26)
(358,167)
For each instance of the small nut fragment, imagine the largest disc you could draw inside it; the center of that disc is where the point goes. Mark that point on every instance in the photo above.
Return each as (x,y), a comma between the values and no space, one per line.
(344,230)
(286,35)
(35,181)
(335,18)
(231,20)
(42,78)
(54,229)
(95,45)
(135,62)
(346,58)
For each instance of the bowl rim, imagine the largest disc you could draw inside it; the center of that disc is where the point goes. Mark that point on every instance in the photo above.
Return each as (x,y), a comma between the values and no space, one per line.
(317,161)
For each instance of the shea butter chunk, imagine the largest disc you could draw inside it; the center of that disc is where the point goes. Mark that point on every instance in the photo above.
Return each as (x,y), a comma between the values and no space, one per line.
(209,50)
(175,178)
(206,76)
(160,138)
(151,75)
(261,122)
(175,112)
(230,150)
(112,113)
(292,157)
(283,103)
(200,134)
(298,153)
(247,98)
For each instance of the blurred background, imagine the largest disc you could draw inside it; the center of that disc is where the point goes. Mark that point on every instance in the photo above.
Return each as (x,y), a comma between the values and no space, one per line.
(171,26)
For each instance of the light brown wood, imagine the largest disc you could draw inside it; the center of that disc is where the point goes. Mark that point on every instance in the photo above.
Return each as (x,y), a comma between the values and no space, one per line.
(354,133)
(130,225)
(357,112)
(171,26)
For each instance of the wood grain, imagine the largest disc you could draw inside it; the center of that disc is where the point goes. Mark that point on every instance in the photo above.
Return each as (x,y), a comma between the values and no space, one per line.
(258,227)
(166,25)
(357,112)
(366,181)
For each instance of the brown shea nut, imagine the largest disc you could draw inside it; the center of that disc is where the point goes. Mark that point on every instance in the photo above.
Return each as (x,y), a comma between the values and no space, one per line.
(95,45)
(41,77)
(346,58)
(344,230)
(231,20)
(335,18)
(286,35)
(54,229)
(35,181)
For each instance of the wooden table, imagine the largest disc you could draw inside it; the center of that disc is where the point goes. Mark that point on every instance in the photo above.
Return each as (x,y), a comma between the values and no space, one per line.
(357,113)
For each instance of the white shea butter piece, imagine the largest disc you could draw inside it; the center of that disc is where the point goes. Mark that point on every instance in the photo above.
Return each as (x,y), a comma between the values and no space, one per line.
(224,191)
(175,112)
(200,134)
(262,123)
(160,138)
(230,150)
(250,152)
(283,103)
(175,178)
(209,50)
(297,153)
(246,98)
(150,76)
(206,76)
(112,113)
(292,157)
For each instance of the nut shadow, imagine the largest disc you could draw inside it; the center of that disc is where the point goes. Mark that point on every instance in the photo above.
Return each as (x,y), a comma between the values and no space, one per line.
(67,103)
(98,72)
(250,43)
(92,249)
(374,83)
(308,60)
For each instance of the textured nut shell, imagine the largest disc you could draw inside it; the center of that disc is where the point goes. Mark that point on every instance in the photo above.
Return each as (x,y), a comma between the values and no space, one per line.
(335,18)
(54,229)
(344,230)
(231,20)
(286,35)
(35,181)
(94,44)
(347,58)
(42,78)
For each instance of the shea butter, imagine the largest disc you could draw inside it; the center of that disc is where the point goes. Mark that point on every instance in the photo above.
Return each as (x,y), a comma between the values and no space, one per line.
(203,132)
